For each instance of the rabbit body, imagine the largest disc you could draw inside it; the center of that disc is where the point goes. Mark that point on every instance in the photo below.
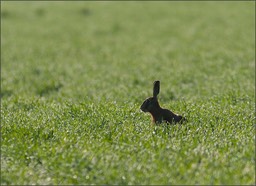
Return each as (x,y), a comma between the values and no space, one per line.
(159,114)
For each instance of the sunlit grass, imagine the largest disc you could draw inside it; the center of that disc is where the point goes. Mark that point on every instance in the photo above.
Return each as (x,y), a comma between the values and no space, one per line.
(73,76)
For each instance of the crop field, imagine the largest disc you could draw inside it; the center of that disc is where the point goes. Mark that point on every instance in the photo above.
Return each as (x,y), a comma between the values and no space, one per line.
(74,74)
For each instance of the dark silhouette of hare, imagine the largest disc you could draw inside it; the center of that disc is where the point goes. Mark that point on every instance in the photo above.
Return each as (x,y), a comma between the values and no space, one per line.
(159,114)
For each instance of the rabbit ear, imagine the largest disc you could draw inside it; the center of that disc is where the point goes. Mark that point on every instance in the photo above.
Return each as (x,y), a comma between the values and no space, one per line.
(156,88)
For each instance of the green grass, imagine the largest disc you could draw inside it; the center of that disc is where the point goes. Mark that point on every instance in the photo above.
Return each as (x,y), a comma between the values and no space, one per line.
(73,76)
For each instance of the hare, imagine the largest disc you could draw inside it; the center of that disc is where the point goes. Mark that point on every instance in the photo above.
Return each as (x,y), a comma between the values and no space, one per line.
(159,114)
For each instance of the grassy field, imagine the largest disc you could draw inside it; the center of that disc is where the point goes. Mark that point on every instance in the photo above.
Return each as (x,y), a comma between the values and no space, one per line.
(74,74)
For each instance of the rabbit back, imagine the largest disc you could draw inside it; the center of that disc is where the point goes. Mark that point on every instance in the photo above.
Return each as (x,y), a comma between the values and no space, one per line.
(170,117)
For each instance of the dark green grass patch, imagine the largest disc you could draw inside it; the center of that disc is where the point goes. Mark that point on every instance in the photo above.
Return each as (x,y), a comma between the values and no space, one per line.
(73,76)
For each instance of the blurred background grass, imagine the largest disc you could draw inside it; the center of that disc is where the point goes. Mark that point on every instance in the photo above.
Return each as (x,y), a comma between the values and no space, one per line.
(116,50)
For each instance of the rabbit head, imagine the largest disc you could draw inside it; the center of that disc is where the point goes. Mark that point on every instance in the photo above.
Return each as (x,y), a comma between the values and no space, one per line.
(151,103)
